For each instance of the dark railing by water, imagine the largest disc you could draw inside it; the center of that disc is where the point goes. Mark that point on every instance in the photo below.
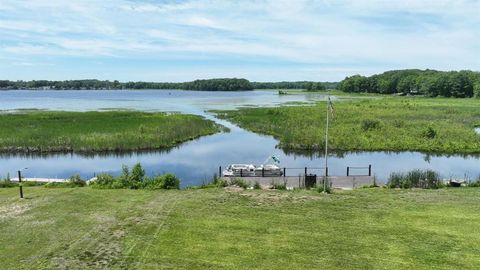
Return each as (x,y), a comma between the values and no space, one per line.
(367,171)
(322,171)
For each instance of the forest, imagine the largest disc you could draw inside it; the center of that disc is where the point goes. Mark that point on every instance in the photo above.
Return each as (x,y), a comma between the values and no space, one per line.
(224,84)
(430,83)
(306,85)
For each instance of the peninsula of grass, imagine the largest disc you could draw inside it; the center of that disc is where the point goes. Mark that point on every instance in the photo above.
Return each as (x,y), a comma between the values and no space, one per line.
(84,228)
(391,124)
(98,131)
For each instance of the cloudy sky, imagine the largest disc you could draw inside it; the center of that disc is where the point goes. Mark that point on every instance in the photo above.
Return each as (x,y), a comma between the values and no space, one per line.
(261,40)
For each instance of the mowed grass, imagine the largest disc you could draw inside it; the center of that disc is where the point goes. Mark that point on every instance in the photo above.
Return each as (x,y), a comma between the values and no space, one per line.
(390,123)
(98,131)
(84,228)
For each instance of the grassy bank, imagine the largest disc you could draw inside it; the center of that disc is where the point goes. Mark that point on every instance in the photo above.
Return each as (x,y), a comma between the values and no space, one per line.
(84,228)
(390,123)
(98,131)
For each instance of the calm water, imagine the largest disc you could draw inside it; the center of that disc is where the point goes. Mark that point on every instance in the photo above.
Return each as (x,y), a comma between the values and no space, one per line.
(196,161)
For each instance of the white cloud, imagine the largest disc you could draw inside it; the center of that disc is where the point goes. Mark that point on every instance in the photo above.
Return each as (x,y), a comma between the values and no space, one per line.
(368,34)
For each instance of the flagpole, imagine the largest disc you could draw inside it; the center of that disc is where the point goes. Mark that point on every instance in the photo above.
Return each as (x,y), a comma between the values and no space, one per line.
(326,149)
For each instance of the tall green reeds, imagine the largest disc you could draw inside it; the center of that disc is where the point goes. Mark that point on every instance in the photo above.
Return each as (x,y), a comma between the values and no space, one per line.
(98,131)
(415,179)
(389,123)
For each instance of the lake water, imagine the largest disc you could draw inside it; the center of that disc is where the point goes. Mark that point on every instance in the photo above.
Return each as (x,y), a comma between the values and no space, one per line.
(196,161)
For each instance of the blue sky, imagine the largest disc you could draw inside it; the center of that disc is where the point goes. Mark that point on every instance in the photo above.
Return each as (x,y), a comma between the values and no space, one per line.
(260,40)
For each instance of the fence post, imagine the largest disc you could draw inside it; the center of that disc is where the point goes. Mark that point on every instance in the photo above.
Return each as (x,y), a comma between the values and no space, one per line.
(370,170)
(305,171)
(20,184)
(241,172)
(348,171)
(284,171)
(263,172)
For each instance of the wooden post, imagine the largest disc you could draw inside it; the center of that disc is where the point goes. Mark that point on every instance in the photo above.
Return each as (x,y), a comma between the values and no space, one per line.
(348,171)
(370,170)
(20,184)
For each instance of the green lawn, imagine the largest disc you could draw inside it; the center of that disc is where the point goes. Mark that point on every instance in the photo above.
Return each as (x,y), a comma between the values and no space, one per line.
(98,131)
(83,228)
(388,123)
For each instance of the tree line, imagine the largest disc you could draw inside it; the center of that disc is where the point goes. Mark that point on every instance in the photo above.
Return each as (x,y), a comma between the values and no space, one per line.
(307,85)
(431,83)
(226,84)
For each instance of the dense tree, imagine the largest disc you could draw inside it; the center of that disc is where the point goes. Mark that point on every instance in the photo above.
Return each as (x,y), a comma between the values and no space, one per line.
(226,84)
(355,83)
(476,89)
(413,81)
(212,85)
(308,85)
(315,86)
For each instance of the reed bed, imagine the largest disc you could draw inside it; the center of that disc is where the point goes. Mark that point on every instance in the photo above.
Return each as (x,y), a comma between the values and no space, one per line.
(391,123)
(98,131)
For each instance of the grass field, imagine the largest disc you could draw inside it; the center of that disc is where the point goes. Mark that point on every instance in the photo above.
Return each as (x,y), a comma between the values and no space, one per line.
(98,131)
(83,228)
(389,123)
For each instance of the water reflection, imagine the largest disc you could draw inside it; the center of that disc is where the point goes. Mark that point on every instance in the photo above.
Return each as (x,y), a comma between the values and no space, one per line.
(196,161)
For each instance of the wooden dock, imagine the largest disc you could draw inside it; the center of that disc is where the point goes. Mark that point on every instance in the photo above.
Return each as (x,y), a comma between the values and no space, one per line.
(43,180)
(340,182)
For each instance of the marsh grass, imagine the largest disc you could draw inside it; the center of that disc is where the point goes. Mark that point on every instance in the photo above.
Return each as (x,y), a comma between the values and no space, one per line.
(390,123)
(135,178)
(239,182)
(415,179)
(72,182)
(98,131)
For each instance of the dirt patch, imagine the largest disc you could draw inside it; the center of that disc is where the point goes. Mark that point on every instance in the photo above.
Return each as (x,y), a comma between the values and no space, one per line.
(98,249)
(234,189)
(271,198)
(14,210)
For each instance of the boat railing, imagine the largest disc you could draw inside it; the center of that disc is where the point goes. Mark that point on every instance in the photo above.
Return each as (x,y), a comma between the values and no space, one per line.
(296,171)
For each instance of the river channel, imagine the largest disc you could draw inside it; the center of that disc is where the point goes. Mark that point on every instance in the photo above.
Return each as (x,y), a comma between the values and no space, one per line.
(196,161)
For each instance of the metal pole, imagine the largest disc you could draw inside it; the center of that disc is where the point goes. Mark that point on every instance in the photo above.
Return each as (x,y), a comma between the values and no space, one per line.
(326,149)
(20,184)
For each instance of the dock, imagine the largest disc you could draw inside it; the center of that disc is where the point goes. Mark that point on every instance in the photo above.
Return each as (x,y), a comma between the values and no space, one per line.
(355,177)
(338,182)
(43,180)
